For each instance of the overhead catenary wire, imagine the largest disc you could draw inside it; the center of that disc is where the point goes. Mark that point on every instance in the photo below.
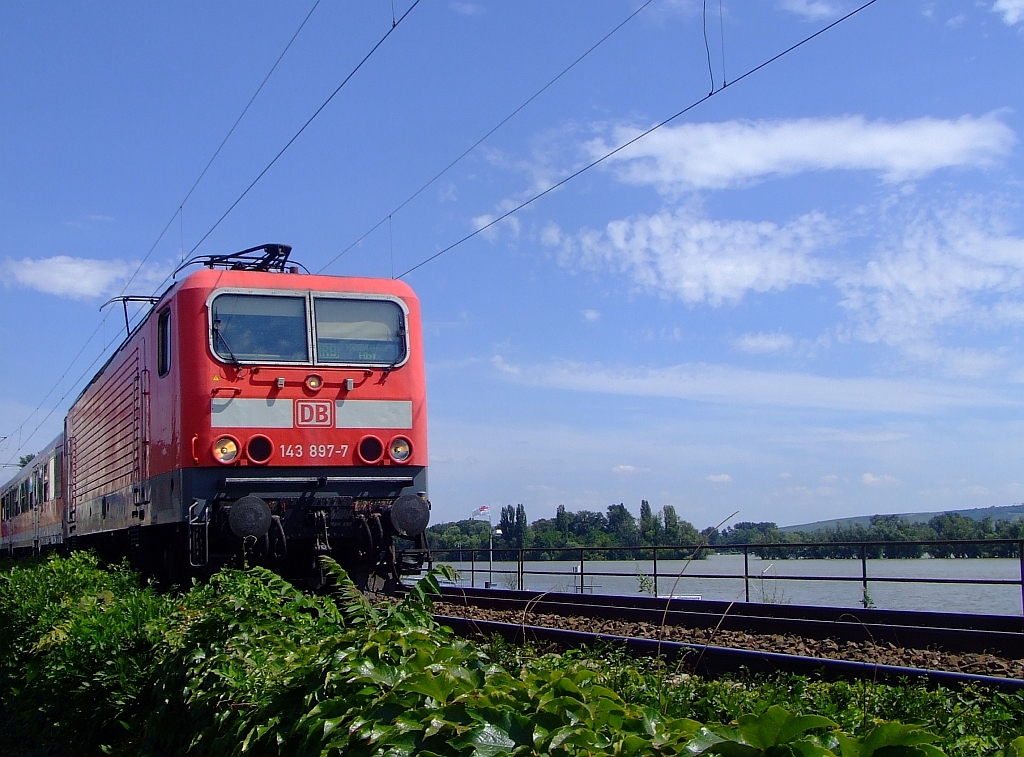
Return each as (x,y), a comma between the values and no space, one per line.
(84,374)
(707,46)
(310,120)
(220,147)
(288,144)
(179,214)
(634,140)
(721,29)
(160,286)
(482,139)
(57,384)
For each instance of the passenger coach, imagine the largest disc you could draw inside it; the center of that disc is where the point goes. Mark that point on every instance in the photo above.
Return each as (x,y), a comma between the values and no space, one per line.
(257,414)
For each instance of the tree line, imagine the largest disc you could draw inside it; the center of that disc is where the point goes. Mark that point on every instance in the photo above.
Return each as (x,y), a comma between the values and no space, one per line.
(619,535)
(617,532)
(827,543)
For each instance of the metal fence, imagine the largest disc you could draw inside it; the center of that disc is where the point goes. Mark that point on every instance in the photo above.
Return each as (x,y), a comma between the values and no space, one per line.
(481,561)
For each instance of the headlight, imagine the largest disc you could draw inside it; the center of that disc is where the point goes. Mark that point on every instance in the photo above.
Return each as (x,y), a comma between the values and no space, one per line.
(400,449)
(314,382)
(225,450)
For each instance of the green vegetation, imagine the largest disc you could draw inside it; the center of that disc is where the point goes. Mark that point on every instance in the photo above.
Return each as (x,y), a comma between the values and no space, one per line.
(617,531)
(93,662)
(883,528)
(968,722)
(620,536)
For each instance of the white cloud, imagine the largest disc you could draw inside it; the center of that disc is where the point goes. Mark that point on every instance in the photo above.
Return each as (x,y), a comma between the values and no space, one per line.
(591,316)
(870,479)
(1011,10)
(964,362)
(933,271)
(77,278)
(731,386)
(551,235)
(810,10)
(720,478)
(699,260)
(734,153)
(485,224)
(761,343)
(626,469)
(943,269)
(467,9)
(830,478)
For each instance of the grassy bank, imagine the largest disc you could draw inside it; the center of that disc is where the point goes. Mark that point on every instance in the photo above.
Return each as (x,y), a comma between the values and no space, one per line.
(93,662)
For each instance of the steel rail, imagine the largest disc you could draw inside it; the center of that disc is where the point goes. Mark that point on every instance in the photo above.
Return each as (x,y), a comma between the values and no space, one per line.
(951,632)
(712,660)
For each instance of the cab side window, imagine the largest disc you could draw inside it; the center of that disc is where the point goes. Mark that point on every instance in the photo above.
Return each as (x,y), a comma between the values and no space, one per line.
(163,343)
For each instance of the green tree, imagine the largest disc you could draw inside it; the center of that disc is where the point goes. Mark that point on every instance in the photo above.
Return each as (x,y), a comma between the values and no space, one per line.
(895,528)
(678,531)
(585,523)
(521,528)
(953,526)
(622,526)
(562,521)
(651,529)
(25,460)
(507,523)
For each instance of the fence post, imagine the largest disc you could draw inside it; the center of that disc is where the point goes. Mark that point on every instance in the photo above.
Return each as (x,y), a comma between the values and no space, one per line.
(1020,554)
(746,573)
(582,574)
(864,575)
(655,571)
(522,560)
(472,568)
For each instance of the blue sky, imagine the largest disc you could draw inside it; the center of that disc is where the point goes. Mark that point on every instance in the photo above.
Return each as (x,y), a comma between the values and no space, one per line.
(801,300)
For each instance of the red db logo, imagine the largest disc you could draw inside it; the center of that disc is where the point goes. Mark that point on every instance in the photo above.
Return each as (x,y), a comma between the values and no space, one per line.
(314,413)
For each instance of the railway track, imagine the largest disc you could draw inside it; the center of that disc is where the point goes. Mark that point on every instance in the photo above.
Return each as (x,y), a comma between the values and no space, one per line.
(717,637)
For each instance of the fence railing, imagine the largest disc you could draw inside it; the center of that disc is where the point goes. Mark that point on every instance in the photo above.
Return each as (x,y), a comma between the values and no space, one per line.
(481,561)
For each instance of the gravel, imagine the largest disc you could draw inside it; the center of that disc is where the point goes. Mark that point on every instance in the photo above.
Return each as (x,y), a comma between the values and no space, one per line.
(884,654)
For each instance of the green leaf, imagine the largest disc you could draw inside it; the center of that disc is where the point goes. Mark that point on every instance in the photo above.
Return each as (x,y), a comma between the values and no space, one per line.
(439,687)
(1015,748)
(485,740)
(798,725)
(573,735)
(808,748)
(777,726)
(703,741)
(890,735)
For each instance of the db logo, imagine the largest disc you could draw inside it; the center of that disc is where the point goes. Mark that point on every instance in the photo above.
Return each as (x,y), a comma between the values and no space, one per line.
(314,413)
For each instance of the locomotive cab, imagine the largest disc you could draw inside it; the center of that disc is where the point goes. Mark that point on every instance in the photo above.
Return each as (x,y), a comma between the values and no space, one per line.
(285,418)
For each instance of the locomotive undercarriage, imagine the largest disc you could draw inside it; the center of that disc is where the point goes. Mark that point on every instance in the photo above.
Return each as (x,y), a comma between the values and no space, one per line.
(290,532)
(372,524)
(200,520)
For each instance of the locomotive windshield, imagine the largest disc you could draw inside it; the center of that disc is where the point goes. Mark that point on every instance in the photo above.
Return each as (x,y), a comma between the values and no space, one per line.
(260,327)
(357,331)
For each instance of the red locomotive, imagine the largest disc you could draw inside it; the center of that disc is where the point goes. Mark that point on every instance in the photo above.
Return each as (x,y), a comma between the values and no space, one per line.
(256,413)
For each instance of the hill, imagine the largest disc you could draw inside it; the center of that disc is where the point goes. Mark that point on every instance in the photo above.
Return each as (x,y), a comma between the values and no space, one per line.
(1008,512)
